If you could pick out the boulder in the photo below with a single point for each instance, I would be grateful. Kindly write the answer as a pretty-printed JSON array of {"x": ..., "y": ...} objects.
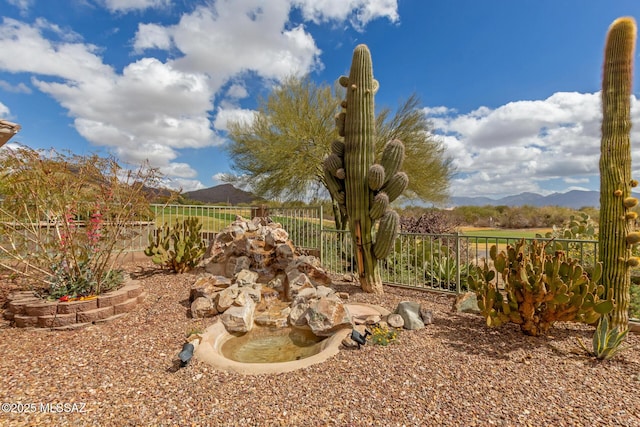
[
  {"x": 410, "y": 312},
  {"x": 246, "y": 277},
  {"x": 239, "y": 318},
  {"x": 466, "y": 303},
  {"x": 203, "y": 307},
  {"x": 395, "y": 320},
  {"x": 227, "y": 297},
  {"x": 426, "y": 315},
  {"x": 325, "y": 316}
]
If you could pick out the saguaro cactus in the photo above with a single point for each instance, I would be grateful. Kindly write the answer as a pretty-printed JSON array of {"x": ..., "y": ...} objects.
[
  {"x": 363, "y": 188},
  {"x": 616, "y": 201}
]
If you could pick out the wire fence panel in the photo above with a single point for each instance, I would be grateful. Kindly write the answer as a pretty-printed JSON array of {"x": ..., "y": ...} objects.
[
  {"x": 303, "y": 224},
  {"x": 440, "y": 262}
]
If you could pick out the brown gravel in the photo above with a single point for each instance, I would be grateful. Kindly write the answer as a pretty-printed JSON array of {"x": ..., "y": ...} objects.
[{"x": 455, "y": 372}]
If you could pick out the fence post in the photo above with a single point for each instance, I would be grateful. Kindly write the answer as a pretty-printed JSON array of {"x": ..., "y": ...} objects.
[
  {"x": 321, "y": 237},
  {"x": 457, "y": 234}
]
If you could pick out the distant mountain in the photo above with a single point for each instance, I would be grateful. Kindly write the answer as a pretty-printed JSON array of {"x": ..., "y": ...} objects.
[
  {"x": 225, "y": 193},
  {"x": 574, "y": 199}
]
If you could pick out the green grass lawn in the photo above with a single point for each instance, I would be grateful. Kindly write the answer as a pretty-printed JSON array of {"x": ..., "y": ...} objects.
[{"x": 502, "y": 233}]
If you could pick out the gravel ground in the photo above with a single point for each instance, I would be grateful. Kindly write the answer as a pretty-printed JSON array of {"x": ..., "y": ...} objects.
[{"x": 455, "y": 372}]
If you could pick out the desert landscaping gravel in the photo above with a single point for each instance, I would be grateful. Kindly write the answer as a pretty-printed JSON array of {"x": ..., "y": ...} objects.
[{"x": 455, "y": 372}]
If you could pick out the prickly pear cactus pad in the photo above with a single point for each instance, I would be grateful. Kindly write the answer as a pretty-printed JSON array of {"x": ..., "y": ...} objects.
[
  {"x": 363, "y": 188},
  {"x": 616, "y": 200}
]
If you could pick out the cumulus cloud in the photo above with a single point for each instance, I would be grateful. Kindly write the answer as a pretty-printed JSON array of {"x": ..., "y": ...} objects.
[
  {"x": 23, "y": 5},
  {"x": 226, "y": 115},
  {"x": 4, "y": 110},
  {"x": 133, "y": 5},
  {"x": 151, "y": 109},
  {"x": 358, "y": 12},
  {"x": 517, "y": 146},
  {"x": 14, "y": 88}
]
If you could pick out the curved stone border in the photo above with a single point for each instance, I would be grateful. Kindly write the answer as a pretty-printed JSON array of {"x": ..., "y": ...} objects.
[
  {"x": 25, "y": 310},
  {"x": 209, "y": 349}
]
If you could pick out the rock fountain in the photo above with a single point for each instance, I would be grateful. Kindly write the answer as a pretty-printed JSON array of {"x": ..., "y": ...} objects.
[{"x": 275, "y": 309}]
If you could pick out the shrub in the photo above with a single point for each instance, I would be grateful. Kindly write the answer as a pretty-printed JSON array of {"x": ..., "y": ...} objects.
[
  {"x": 539, "y": 289},
  {"x": 178, "y": 248},
  {"x": 606, "y": 342},
  {"x": 64, "y": 218}
]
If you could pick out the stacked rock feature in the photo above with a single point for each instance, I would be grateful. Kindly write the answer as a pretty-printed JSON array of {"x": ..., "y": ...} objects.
[{"x": 255, "y": 277}]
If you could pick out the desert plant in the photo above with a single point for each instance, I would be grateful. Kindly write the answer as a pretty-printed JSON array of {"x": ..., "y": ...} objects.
[
  {"x": 178, "y": 248},
  {"x": 65, "y": 217},
  {"x": 606, "y": 342},
  {"x": 441, "y": 269},
  {"x": 362, "y": 188},
  {"x": 616, "y": 201},
  {"x": 383, "y": 335},
  {"x": 539, "y": 289}
]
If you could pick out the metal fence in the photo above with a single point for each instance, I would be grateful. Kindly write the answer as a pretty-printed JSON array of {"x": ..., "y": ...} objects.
[
  {"x": 303, "y": 224},
  {"x": 437, "y": 262}
]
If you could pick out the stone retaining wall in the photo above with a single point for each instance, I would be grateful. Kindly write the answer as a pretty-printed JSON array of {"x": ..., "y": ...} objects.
[{"x": 25, "y": 310}]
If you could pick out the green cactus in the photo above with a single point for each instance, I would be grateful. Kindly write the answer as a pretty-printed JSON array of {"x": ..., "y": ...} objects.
[
  {"x": 539, "y": 289},
  {"x": 359, "y": 187},
  {"x": 178, "y": 248},
  {"x": 615, "y": 168}
]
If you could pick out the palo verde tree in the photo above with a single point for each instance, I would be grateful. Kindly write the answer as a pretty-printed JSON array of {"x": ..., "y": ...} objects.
[
  {"x": 281, "y": 151},
  {"x": 616, "y": 201}
]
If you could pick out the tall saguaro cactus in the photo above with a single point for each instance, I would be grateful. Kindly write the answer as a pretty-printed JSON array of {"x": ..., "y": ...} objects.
[
  {"x": 363, "y": 188},
  {"x": 616, "y": 238}
]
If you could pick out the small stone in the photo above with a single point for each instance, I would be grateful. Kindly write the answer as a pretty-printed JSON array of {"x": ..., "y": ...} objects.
[{"x": 395, "y": 320}]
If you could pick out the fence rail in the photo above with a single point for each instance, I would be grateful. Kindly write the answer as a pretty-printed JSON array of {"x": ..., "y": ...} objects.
[{"x": 439, "y": 262}]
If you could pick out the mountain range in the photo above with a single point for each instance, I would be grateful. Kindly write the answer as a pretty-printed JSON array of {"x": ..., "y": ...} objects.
[
  {"x": 574, "y": 199},
  {"x": 225, "y": 193}
]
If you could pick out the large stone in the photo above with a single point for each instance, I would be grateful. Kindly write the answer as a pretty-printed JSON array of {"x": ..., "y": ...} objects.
[
  {"x": 203, "y": 307},
  {"x": 246, "y": 277},
  {"x": 227, "y": 297},
  {"x": 75, "y": 306},
  {"x": 276, "y": 317},
  {"x": 466, "y": 303},
  {"x": 297, "y": 282},
  {"x": 239, "y": 318},
  {"x": 325, "y": 316},
  {"x": 426, "y": 315},
  {"x": 236, "y": 264},
  {"x": 274, "y": 237},
  {"x": 56, "y": 320},
  {"x": 229, "y": 234},
  {"x": 94, "y": 315},
  {"x": 297, "y": 314},
  {"x": 410, "y": 312},
  {"x": 395, "y": 320}
]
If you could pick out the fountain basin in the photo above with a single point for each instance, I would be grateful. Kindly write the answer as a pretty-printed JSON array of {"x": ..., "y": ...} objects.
[
  {"x": 217, "y": 343},
  {"x": 268, "y": 350}
]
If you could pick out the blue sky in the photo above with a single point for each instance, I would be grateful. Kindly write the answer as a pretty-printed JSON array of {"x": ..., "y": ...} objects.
[{"x": 511, "y": 86}]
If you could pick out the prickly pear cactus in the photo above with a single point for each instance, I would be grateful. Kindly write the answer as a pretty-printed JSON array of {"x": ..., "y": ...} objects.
[
  {"x": 178, "y": 248},
  {"x": 616, "y": 238},
  {"x": 363, "y": 188},
  {"x": 539, "y": 289}
]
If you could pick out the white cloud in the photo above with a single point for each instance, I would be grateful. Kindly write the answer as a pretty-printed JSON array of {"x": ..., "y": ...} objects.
[
  {"x": 151, "y": 36},
  {"x": 23, "y": 5},
  {"x": 225, "y": 115},
  {"x": 358, "y": 12},
  {"x": 132, "y": 5},
  {"x": 522, "y": 144},
  {"x": 151, "y": 108},
  {"x": 4, "y": 110},
  {"x": 19, "y": 88}
]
